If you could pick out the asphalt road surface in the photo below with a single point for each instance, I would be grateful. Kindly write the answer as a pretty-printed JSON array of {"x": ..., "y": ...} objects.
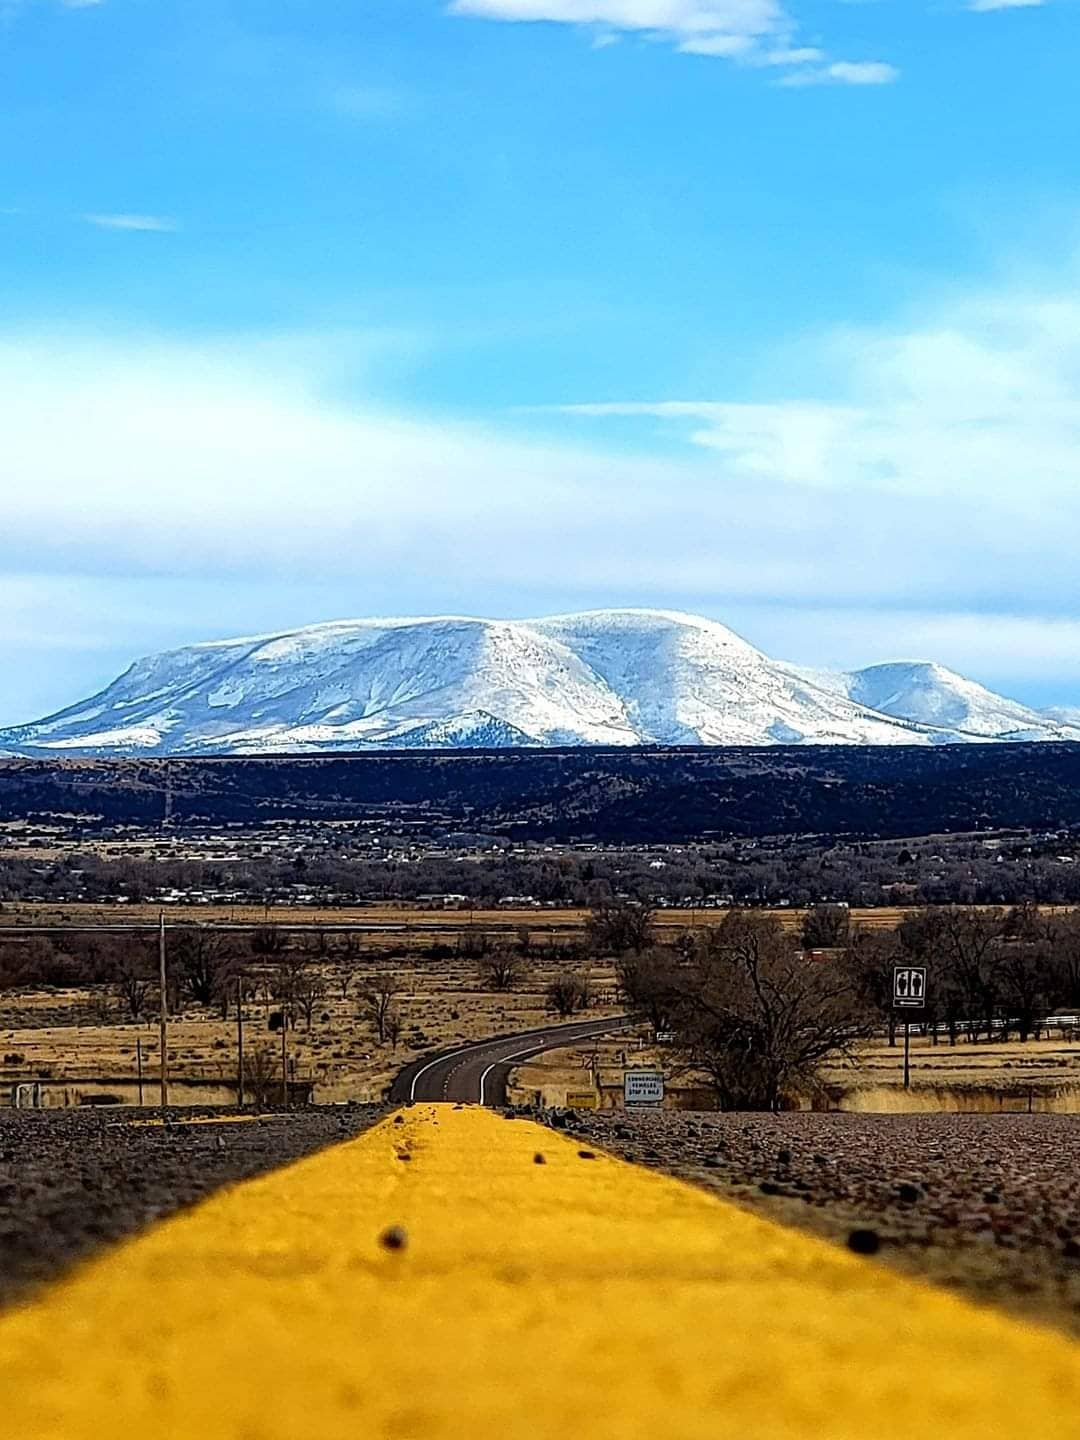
[{"x": 477, "y": 1074}]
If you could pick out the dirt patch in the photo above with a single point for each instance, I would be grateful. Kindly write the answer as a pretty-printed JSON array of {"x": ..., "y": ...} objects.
[
  {"x": 986, "y": 1205},
  {"x": 72, "y": 1182}
]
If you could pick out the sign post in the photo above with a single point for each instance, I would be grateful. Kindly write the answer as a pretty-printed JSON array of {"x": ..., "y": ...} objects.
[{"x": 909, "y": 993}]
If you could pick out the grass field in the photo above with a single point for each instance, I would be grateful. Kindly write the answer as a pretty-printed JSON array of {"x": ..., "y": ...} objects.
[
  {"x": 401, "y": 920},
  {"x": 55, "y": 1035},
  {"x": 982, "y": 1078}
]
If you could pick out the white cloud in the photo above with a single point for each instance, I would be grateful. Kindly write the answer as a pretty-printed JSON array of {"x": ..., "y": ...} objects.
[
  {"x": 1004, "y": 4},
  {"x": 126, "y": 221},
  {"x": 845, "y": 72},
  {"x": 981, "y": 405},
  {"x": 930, "y": 472},
  {"x": 755, "y": 32}
]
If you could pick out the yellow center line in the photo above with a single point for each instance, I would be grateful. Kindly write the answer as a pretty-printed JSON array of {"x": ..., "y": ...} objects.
[{"x": 577, "y": 1297}]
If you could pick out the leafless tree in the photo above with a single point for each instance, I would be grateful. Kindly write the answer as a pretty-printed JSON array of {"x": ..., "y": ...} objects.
[
  {"x": 650, "y": 984},
  {"x": 825, "y": 927},
  {"x": 133, "y": 981},
  {"x": 393, "y": 1026},
  {"x": 619, "y": 928},
  {"x": 262, "y": 1075},
  {"x": 197, "y": 956},
  {"x": 502, "y": 970},
  {"x": 267, "y": 940},
  {"x": 568, "y": 994},
  {"x": 377, "y": 1002},
  {"x": 308, "y": 990},
  {"x": 758, "y": 1016}
]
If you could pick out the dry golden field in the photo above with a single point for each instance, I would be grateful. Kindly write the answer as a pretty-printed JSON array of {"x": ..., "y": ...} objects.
[
  {"x": 981, "y": 1078},
  {"x": 57, "y": 1036},
  {"x": 401, "y": 920}
]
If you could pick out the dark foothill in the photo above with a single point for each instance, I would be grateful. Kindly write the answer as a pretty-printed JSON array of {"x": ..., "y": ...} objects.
[
  {"x": 395, "y": 1238},
  {"x": 864, "y": 1242}
]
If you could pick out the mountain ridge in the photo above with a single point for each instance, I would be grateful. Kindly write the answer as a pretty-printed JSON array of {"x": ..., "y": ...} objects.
[{"x": 617, "y": 677}]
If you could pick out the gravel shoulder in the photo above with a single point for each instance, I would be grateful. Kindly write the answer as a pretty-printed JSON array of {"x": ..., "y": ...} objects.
[
  {"x": 72, "y": 1182},
  {"x": 987, "y": 1205}
]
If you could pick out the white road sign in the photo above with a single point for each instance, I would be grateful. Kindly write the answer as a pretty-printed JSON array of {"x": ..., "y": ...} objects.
[
  {"x": 909, "y": 987},
  {"x": 643, "y": 1087}
]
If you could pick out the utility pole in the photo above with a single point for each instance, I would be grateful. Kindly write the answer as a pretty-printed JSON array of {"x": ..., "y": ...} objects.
[
  {"x": 907, "y": 1054},
  {"x": 164, "y": 982},
  {"x": 240, "y": 1041}
]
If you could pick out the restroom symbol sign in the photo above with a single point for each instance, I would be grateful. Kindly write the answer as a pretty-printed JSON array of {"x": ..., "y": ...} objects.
[{"x": 909, "y": 987}]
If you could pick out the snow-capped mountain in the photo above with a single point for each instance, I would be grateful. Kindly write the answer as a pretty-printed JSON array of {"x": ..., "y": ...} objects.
[
  {"x": 608, "y": 677},
  {"x": 930, "y": 695}
]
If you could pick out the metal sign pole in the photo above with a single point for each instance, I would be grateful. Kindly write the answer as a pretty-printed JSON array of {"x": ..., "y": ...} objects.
[{"x": 909, "y": 993}]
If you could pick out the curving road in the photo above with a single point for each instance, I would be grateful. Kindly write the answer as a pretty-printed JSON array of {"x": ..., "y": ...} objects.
[{"x": 476, "y": 1074}]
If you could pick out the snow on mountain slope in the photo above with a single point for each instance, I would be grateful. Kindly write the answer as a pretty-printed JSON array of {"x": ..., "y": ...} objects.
[
  {"x": 346, "y": 685},
  {"x": 689, "y": 681},
  {"x": 931, "y": 695},
  {"x": 608, "y": 677},
  {"x": 1067, "y": 715}
]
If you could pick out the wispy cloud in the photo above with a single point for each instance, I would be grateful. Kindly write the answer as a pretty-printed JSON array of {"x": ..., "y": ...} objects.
[
  {"x": 1004, "y": 4},
  {"x": 844, "y": 72},
  {"x": 749, "y": 32},
  {"x": 933, "y": 468},
  {"x": 131, "y": 221}
]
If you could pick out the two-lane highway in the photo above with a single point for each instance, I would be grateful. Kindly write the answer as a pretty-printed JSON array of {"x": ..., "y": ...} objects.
[{"x": 476, "y": 1074}]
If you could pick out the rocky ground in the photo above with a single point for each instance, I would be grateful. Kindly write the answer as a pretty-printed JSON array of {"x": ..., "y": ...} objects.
[
  {"x": 72, "y": 1180},
  {"x": 986, "y": 1204}
]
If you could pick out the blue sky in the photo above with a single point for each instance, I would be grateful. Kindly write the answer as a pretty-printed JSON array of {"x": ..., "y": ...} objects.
[{"x": 318, "y": 308}]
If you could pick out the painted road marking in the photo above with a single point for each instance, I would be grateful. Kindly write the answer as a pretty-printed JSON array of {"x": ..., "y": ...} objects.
[
  {"x": 431, "y": 1065},
  {"x": 531, "y": 1301}
]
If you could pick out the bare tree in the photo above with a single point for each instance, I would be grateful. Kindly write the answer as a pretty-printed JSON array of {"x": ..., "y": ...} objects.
[
  {"x": 267, "y": 940},
  {"x": 377, "y": 1002},
  {"x": 393, "y": 1026},
  {"x": 474, "y": 944},
  {"x": 825, "y": 927},
  {"x": 651, "y": 985},
  {"x": 197, "y": 957},
  {"x": 346, "y": 971},
  {"x": 502, "y": 970},
  {"x": 133, "y": 981},
  {"x": 619, "y": 928},
  {"x": 568, "y": 994},
  {"x": 758, "y": 1016},
  {"x": 262, "y": 1075},
  {"x": 308, "y": 990}
]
